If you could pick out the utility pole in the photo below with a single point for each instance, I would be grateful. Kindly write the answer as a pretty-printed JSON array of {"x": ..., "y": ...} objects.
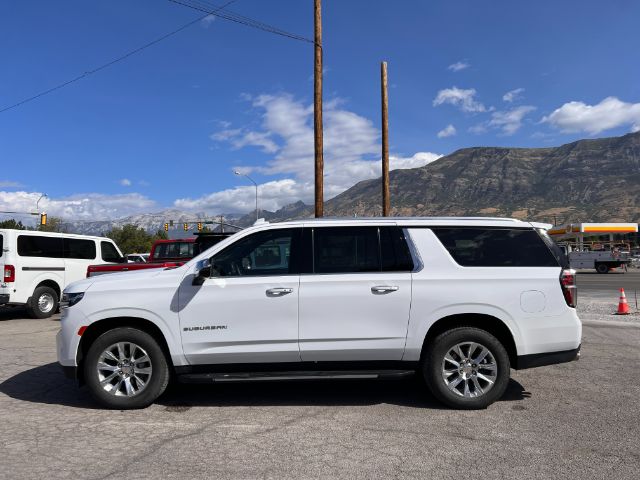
[
  {"x": 317, "y": 108},
  {"x": 386, "y": 205}
]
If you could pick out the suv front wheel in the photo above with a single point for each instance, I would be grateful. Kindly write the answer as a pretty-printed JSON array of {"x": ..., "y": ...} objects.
[
  {"x": 466, "y": 368},
  {"x": 126, "y": 368}
]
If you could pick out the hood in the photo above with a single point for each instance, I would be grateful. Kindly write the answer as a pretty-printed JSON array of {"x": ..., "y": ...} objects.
[{"x": 118, "y": 280}]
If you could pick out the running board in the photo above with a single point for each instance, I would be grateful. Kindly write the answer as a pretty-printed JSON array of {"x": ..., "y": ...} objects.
[{"x": 283, "y": 376}]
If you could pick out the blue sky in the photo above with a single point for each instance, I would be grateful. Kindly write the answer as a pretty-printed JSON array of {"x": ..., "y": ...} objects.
[{"x": 167, "y": 126}]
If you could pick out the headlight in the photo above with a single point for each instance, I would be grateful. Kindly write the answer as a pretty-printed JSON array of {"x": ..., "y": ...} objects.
[{"x": 70, "y": 299}]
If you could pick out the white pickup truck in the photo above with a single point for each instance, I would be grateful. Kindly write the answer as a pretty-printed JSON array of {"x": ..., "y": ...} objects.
[{"x": 602, "y": 261}]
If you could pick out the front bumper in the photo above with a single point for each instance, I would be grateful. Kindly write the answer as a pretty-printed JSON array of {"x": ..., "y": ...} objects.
[{"x": 551, "y": 358}]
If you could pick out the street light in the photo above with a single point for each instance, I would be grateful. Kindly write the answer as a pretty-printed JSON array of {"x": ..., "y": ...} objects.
[
  {"x": 38, "y": 202},
  {"x": 256, "y": 185}
]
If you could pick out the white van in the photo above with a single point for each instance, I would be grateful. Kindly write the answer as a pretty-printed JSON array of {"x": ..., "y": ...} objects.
[{"x": 37, "y": 266}]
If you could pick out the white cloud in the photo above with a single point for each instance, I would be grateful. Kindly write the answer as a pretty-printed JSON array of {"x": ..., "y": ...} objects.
[
  {"x": 447, "y": 131},
  {"x": 208, "y": 20},
  {"x": 351, "y": 154},
  {"x": 9, "y": 184},
  {"x": 90, "y": 206},
  {"x": 456, "y": 67},
  {"x": 125, "y": 182},
  {"x": 419, "y": 159},
  {"x": 593, "y": 119},
  {"x": 461, "y": 98},
  {"x": 510, "y": 121},
  {"x": 513, "y": 95}
]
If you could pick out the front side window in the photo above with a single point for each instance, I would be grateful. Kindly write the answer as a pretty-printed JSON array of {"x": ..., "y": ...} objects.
[
  {"x": 109, "y": 252},
  {"x": 40, "y": 246},
  {"x": 496, "y": 247},
  {"x": 261, "y": 254},
  {"x": 77, "y": 248},
  {"x": 346, "y": 250}
]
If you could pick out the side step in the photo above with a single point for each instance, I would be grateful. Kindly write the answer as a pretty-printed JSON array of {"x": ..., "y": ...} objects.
[{"x": 293, "y": 375}]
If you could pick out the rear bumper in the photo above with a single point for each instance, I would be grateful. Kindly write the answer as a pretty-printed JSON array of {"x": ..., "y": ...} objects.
[
  {"x": 550, "y": 358},
  {"x": 4, "y": 298}
]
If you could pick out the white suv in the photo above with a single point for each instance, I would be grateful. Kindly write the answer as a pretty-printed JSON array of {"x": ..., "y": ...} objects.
[{"x": 461, "y": 301}]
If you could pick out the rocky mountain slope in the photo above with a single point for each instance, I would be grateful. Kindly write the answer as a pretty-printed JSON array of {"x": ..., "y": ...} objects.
[{"x": 587, "y": 180}]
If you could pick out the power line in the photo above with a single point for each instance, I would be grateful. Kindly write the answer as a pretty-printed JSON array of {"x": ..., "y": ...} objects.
[
  {"x": 119, "y": 59},
  {"x": 202, "y": 6}
]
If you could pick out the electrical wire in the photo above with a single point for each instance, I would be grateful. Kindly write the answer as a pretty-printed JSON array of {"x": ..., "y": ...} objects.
[
  {"x": 119, "y": 59},
  {"x": 237, "y": 18}
]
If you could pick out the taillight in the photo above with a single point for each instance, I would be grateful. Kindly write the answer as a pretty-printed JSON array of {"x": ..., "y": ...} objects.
[
  {"x": 9, "y": 274},
  {"x": 569, "y": 287}
]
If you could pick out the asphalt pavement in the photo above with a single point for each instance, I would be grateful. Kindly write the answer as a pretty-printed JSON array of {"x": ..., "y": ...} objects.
[
  {"x": 576, "y": 420},
  {"x": 606, "y": 286}
]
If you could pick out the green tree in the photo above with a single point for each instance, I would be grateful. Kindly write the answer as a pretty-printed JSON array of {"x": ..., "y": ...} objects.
[
  {"x": 12, "y": 223},
  {"x": 131, "y": 238},
  {"x": 54, "y": 224}
]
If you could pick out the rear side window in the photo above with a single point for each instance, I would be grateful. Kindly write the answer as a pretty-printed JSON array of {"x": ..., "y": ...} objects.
[
  {"x": 394, "y": 251},
  {"x": 1, "y": 245},
  {"x": 40, "y": 246},
  {"x": 76, "y": 248},
  {"x": 496, "y": 247},
  {"x": 109, "y": 252},
  {"x": 173, "y": 250},
  {"x": 346, "y": 250}
]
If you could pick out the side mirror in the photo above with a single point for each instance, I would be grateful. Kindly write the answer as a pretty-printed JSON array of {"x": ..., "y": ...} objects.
[{"x": 203, "y": 271}]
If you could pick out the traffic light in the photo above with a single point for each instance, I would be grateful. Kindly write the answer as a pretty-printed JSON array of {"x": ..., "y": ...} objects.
[
  {"x": 166, "y": 227},
  {"x": 199, "y": 226},
  {"x": 186, "y": 227},
  {"x": 43, "y": 219},
  {"x": 171, "y": 223}
]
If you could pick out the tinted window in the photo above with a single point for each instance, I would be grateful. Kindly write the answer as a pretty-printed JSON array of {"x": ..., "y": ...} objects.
[
  {"x": 558, "y": 252},
  {"x": 263, "y": 253},
  {"x": 76, "y": 248},
  {"x": 1, "y": 245},
  {"x": 394, "y": 250},
  {"x": 37, "y": 246},
  {"x": 346, "y": 250},
  {"x": 482, "y": 247},
  {"x": 109, "y": 252},
  {"x": 173, "y": 250}
]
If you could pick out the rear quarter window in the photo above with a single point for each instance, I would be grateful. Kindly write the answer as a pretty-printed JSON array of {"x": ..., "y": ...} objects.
[
  {"x": 1, "y": 245},
  {"x": 496, "y": 247}
]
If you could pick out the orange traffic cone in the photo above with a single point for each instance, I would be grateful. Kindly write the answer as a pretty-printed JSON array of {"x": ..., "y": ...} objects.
[{"x": 623, "y": 306}]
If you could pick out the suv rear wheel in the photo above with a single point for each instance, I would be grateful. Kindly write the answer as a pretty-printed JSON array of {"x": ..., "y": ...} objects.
[
  {"x": 466, "y": 368},
  {"x": 126, "y": 368}
]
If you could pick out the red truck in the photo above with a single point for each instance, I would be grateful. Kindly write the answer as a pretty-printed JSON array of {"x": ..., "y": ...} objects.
[{"x": 164, "y": 254}]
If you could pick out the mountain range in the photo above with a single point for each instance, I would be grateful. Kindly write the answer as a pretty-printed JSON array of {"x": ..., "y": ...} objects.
[{"x": 587, "y": 180}]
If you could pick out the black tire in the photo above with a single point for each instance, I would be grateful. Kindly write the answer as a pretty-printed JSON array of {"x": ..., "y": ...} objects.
[
  {"x": 35, "y": 307},
  {"x": 155, "y": 385},
  {"x": 433, "y": 365},
  {"x": 602, "y": 268}
]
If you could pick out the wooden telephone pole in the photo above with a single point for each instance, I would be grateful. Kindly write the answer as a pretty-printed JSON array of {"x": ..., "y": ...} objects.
[
  {"x": 317, "y": 109},
  {"x": 386, "y": 205}
]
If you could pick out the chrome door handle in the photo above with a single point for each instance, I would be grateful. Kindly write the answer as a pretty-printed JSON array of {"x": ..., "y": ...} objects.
[
  {"x": 278, "y": 292},
  {"x": 381, "y": 289}
]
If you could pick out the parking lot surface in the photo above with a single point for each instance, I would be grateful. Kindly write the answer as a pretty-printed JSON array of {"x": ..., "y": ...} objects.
[{"x": 577, "y": 420}]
